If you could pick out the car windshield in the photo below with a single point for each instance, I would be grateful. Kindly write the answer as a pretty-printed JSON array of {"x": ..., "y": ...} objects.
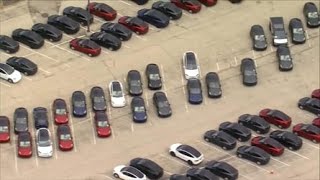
[
  {"x": 79, "y": 103},
  {"x": 154, "y": 76},
  {"x": 214, "y": 85},
  {"x": 135, "y": 83},
  {"x": 259, "y": 37},
  {"x": 285, "y": 58},
  {"x": 163, "y": 104},
  {"x": 195, "y": 90},
  {"x": 65, "y": 136},
  {"x": 44, "y": 143},
  {"x": 24, "y": 143},
  {"x": 313, "y": 15},
  {"x": 139, "y": 109},
  {"x": 21, "y": 120},
  {"x": 298, "y": 31},
  {"x": 103, "y": 123},
  {"x": 61, "y": 111},
  {"x": 4, "y": 129},
  {"x": 117, "y": 93},
  {"x": 98, "y": 99},
  {"x": 249, "y": 73}
]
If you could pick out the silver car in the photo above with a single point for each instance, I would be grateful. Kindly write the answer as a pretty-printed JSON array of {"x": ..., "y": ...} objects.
[{"x": 44, "y": 143}]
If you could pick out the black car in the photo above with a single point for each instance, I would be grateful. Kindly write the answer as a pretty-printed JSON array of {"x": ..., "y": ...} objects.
[
  {"x": 255, "y": 123},
  {"x": 249, "y": 72},
  {"x": 47, "y": 31},
  {"x": 168, "y": 9},
  {"x": 213, "y": 85},
  {"x": 118, "y": 30},
  {"x": 8, "y": 44},
  {"x": 201, "y": 174},
  {"x": 220, "y": 138},
  {"x": 64, "y": 23},
  {"x": 106, "y": 40},
  {"x": 236, "y": 130},
  {"x": 310, "y": 104},
  {"x": 140, "y": 2},
  {"x": 28, "y": 37},
  {"x": 153, "y": 77},
  {"x": 178, "y": 177},
  {"x": 194, "y": 91},
  {"x": 254, "y": 154},
  {"x": 98, "y": 99},
  {"x": 20, "y": 118},
  {"x": 284, "y": 58},
  {"x": 23, "y": 65},
  {"x": 134, "y": 83},
  {"x": 222, "y": 169},
  {"x": 154, "y": 17},
  {"x": 151, "y": 169},
  {"x": 138, "y": 108},
  {"x": 78, "y": 14},
  {"x": 297, "y": 31},
  {"x": 162, "y": 104},
  {"x": 79, "y": 104},
  {"x": 258, "y": 37},
  {"x": 287, "y": 139},
  {"x": 40, "y": 116},
  {"x": 311, "y": 14}
]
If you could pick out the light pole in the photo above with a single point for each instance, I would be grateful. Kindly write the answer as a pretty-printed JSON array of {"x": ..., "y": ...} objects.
[{"x": 88, "y": 22}]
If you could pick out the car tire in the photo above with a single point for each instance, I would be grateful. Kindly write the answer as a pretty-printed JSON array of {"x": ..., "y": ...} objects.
[
  {"x": 137, "y": 32},
  {"x": 51, "y": 39},
  {"x": 206, "y": 139},
  {"x": 172, "y": 154},
  {"x": 239, "y": 139},
  {"x": 259, "y": 132},
  {"x": 10, "y": 80},
  {"x": 190, "y": 163},
  {"x": 224, "y": 148},
  {"x": 72, "y": 47},
  {"x": 239, "y": 155},
  {"x": 190, "y": 11},
  {"x": 314, "y": 141},
  {"x": 258, "y": 162},
  {"x": 115, "y": 175},
  {"x": 279, "y": 126},
  {"x": 301, "y": 107},
  {"x": 7, "y": 51},
  {"x": 110, "y": 48},
  {"x": 90, "y": 55},
  {"x": 26, "y": 73},
  {"x": 291, "y": 148}
]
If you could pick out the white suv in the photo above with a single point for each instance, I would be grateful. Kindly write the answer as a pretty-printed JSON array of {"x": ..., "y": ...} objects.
[
  {"x": 44, "y": 143},
  {"x": 9, "y": 73},
  {"x": 190, "y": 65}
]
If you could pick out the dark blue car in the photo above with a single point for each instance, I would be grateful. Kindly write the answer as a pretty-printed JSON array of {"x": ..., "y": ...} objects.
[
  {"x": 194, "y": 91},
  {"x": 79, "y": 104},
  {"x": 154, "y": 17},
  {"x": 139, "y": 113}
]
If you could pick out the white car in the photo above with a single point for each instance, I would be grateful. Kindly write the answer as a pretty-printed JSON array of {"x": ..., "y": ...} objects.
[
  {"x": 9, "y": 74},
  {"x": 116, "y": 94},
  {"x": 190, "y": 65},
  {"x": 186, "y": 153},
  {"x": 128, "y": 173},
  {"x": 44, "y": 143}
]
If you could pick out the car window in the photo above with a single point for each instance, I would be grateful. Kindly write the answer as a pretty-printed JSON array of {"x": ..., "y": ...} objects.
[
  {"x": 103, "y": 123},
  {"x": 61, "y": 111},
  {"x": 313, "y": 15},
  {"x": 79, "y": 103},
  {"x": 139, "y": 109},
  {"x": 163, "y": 104},
  {"x": 4, "y": 129},
  {"x": 129, "y": 174},
  {"x": 285, "y": 58},
  {"x": 24, "y": 143},
  {"x": 298, "y": 31},
  {"x": 259, "y": 37},
  {"x": 154, "y": 76},
  {"x": 65, "y": 136},
  {"x": 249, "y": 72},
  {"x": 185, "y": 153},
  {"x": 1, "y": 71}
]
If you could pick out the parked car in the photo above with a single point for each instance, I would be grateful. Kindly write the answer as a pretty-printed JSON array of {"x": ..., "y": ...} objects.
[
  {"x": 44, "y": 142},
  {"x": 98, "y": 99},
  {"x": 287, "y": 139},
  {"x": 186, "y": 153},
  {"x": 220, "y": 138},
  {"x": 276, "y": 117},
  {"x": 190, "y": 65},
  {"x": 258, "y": 37},
  {"x": 60, "y": 111},
  {"x": 4, "y": 129},
  {"x": 168, "y": 8},
  {"x": 271, "y": 146},
  {"x": 106, "y": 40},
  {"x": 310, "y": 12},
  {"x": 138, "y": 108},
  {"x": 28, "y": 37},
  {"x": 22, "y": 65},
  {"x": 9, "y": 74},
  {"x": 151, "y": 169},
  {"x": 135, "y": 24},
  {"x": 222, "y": 169},
  {"x": 118, "y": 30},
  {"x": 85, "y": 46},
  {"x": 153, "y": 77},
  {"x": 79, "y": 104},
  {"x": 255, "y": 123},
  {"x": 162, "y": 104},
  {"x": 316, "y": 122},
  {"x": 78, "y": 14},
  {"x": 40, "y": 116},
  {"x": 134, "y": 83},
  {"x": 213, "y": 85},
  {"x": 235, "y": 1},
  {"x": 116, "y": 94},
  {"x": 236, "y": 130},
  {"x": 310, "y": 104},
  {"x": 316, "y": 93},
  {"x": 201, "y": 174},
  {"x": 154, "y": 17},
  {"x": 194, "y": 91},
  {"x": 64, "y": 23},
  {"x": 128, "y": 172},
  {"x": 8, "y": 44},
  {"x": 297, "y": 31},
  {"x": 21, "y": 120},
  {"x": 192, "y": 6},
  {"x": 64, "y": 137},
  {"x": 249, "y": 72},
  {"x": 284, "y": 58},
  {"x": 307, "y": 131},
  {"x": 178, "y": 177},
  {"x": 140, "y": 2},
  {"x": 102, "y": 124},
  {"x": 254, "y": 154},
  {"x": 24, "y": 144},
  {"x": 47, "y": 31},
  {"x": 208, "y": 3},
  {"x": 279, "y": 35},
  {"x": 102, "y": 10}
]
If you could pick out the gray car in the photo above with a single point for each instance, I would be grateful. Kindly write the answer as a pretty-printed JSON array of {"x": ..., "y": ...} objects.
[
  {"x": 20, "y": 118},
  {"x": 259, "y": 41},
  {"x": 284, "y": 58},
  {"x": 134, "y": 83},
  {"x": 98, "y": 99},
  {"x": 249, "y": 73}
]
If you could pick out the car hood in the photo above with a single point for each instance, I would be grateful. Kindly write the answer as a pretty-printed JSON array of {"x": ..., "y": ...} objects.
[
  {"x": 165, "y": 111},
  {"x": 45, "y": 149},
  {"x": 118, "y": 100},
  {"x": 195, "y": 97},
  {"x": 250, "y": 79},
  {"x": 286, "y": 64},
  {"x": 61, "y": 118},
  {"x": 104, "y": 130},
  {"x": 215, "y": 91},
  {"x": 4, "y": 136},
  {"x": 135, "y": 89},
  {"x": 25, "y": 150},
  {"x": 66, "y": 144},
  {"x": 140, "y": 115},
  {"x": 15, "y": 76}
]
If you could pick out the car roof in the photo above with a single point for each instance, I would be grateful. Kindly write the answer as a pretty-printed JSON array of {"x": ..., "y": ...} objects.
[
  {"x": 60, "y": 103},
  {"x": 137, "y": 101},
  {"x": 189, "y": 149},
  {"x": 24, "y": 136},
  {"x": 78, "y": 95},
  {"x": 116, "y": 86},
  {"x": 6, "y": 67},
  {"x": 134, "y": 74},
  {"x": 194, "y": 83},
  {"x": 101, "y": 116},
  {"x": 4, "y": 121},
  {"x": 133, "y": 171},
  {"x": 153, "y": 68},
  {"x": 64, "y": 129},
  {"x": 152, "y": 165},
  {"x": 160, "y": 96}
]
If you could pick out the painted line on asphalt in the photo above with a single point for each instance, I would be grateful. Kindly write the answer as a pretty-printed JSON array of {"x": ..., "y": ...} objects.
[
  {"x": 298, "y": 154},
  {"x": 78, "y": 55},
  {"x": 142, "y": 38},
  {"x": 280, "y": 161},
  {"x": 41, "y": 69},
  {"x": 73, "y": 132},
  {"x": 39, "y": 53},
  {"x": 163, "y": 78},
  {"x": 125, "y": 3},
  {"x": 93, "y": 129},
  {"x": 6, "y": 54},
  {"x": 15, "y": 154},
  {"x": 5, "y": 84},
  {"x": 317, "y": 147},
  {"x": 27, "y": 78},
  {"x": 126, "y": 46},
  {"x": 55, "y": 141},
  {"x": 218, "y": 68},
  {"x": 132, "y": 128},
  {"x": 186, "y": 14}
]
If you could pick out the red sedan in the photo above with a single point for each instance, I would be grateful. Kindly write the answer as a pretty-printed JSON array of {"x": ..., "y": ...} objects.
[
  {"x": 60, "y": 111},
  {"x": 307, "y": 131},
  {"x": 208, "y": 2},
  {"x": 85, "y": 46},
  {"x": 24, "y": 144},
  {"x": 4, "y": 129},
  {"x": 193, "y": 6},
  {"x": 134, "y": 24},
  {"x": 102, "y": 10},
  {"x": 316, "y": 122},
  {"x": 270, "y": 145},
  {"x": 65, "y": 139},
  {"x": 276, "y": 117},
  {"x": 316, "y": 94},
  {"x": 102, "y": 124}
]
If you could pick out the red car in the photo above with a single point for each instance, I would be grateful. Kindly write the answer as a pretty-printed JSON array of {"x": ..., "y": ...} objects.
[
  {"x": 270, "y": 145},
  {"x": 316, "y": 122},
  {"x": 316, "y": 94},
  {"x": 102, "y": 10},
  {"x": 193, "y": 6},
  {"x": 65, "y": 139},
  {"x": 307, "y": 131},
  {"x": 85, "y": 46},
  {"x": 208, "y": 2},
  {"x": 4, "y": 129},
  {"x": 24, "y": 144},
  {"x": 102, "y": 124},
  {"x": 276, "y": 117},
  {"x": 134, "y": 24},
  {"x": 60, "y": 111}
]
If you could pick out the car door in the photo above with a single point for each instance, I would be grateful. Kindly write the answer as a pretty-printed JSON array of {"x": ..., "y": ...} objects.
[
  {"x": 129, "y": 175},
  {"x": 3, "y": 74},
  {"x": 184, "y": 155}
]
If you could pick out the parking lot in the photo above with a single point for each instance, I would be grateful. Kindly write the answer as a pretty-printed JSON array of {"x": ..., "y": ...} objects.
[{"x": 220, "y": 37}]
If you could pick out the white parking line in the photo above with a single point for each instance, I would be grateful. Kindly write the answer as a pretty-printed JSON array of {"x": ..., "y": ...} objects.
[
  {"x": 218, "y": 68},
  {"x": 112, "y": 133},
  {"x": 170, "y": 173},
  {"x": 73, "y": 53},
  {"x": 271, "y": 48},
  {"x": 132, "y": 128},
  {"x": 106, "y": 52},
  {"x": 67, "y": 35},
  {"x": 6, "y": 54},
  {"x": 125, "y": 3},
  {"x": 146, "y": 99},
  {"x": 64, "y": 42},
  {"x": 280, "y": 161},
  {"x": 40, "y": 53},
  {"x": 126, "y": 46},
  {"x": 186, "y": 14},
  {"x": 93, "y": 129},
  {"x": 108, "y": 177},
  {"x": 307, "y": 35},
  {"x": 44, "y": 71},
  {"x": 255, "y": 63},
  {"x": 109, "y": 112},
  {"x": 139, "y": 37},
  {"x": 317, "y": 147},
  {"x": 152, "y": 28},
  {"x": 246, "y": 177},
  {"x": 175, "y": 160},
  {"x": 5, "y": 84},
  {"x": 27, "y": 78},
  {"x": 29, "y": 54},
  {"x": 253, "y": 54},
  {"x": 72, "y": 130},
  {"x": 49, "y": 42},
  {"x": 235, "y": 61},
  {"x": 163, "y": 78},
  {"x": 230, "y": 157},
  {"x": 55, "y": 143},
  {"x": 298, "y": 154},
  {"x": 15, "y": 154},
  {"x": 100, "y": 20}
]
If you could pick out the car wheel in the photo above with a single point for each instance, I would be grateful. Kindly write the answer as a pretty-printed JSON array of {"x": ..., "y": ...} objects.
[
  {"x": 190, "y": 163},
  {"x": 26, "y": 73},
  {"x": 82, "y": 23},
  {"x": 121, "y": 38},
  {"x": 241, "y": 123},
  {"x": 223, "y": 147},
  {"x": 7, "y": 51},
  {"x": 301, "y": 107},
  {"x": 90, "y": 55},
  {"x": 110, "y": 48},
  {"x": 51, "y": 40},
  {"x": 239, "y": 139},
  {"x": 258, "y": 162},
  {"x": 10, "y": 80},
  {"x": 172, "y": 154},
  {"x": 296, "y": 133},
  {"x": 291, "y": 148},
  {"x": 137, "y": 32},
  {"x": 226, "y": 178},
  {"x": 206, "y": 139},
  {"x": 190, "y": 11},
  {"x": 280, "y": 127},
  {"x": 314, "y": 141},
  {"x": 258, "y": 132},
  {"x": 116, "y": 175},
  {"x": 239, "y": 155},
  {"x": 72, "y": 47}
]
